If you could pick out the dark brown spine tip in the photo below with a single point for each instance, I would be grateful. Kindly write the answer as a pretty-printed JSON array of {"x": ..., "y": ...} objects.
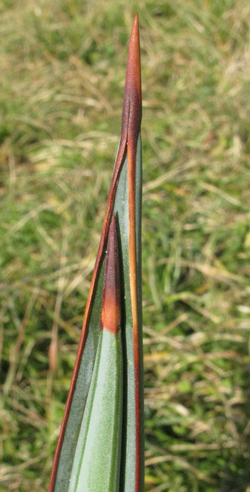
[
  {"x": 133, "y": 75},
  {"x": 111, "y": 304},
  {"x": 132, "y": 107}
]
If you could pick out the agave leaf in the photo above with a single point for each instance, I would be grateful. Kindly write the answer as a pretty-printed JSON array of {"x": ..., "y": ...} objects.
[
  {"x": 125, "y": 203},
  {"x": 96, "y": 464}
]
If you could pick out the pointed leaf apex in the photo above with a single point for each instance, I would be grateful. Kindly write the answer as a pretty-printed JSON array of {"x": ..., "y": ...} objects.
[
  {"x": 111, "y": 309},
  {"x": 133, "y": 76},
  {"x": 132, "y": 106}
]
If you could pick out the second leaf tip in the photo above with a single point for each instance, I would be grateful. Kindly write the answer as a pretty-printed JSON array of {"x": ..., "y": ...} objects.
[{"x": 111, "y": 309}]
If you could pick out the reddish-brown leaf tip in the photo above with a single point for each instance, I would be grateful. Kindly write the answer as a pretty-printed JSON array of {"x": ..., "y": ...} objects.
[
  {"x": 111, "y": 304},
  {"x": 133, "y": 74},
  {"x": 132, "y": 112}
]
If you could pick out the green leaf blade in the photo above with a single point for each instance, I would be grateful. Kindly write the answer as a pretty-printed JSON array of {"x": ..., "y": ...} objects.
[
  {"x": 132, "y": 434},
  {"x": 124, "y": 203},
  {"x": 97, "y": 457}
]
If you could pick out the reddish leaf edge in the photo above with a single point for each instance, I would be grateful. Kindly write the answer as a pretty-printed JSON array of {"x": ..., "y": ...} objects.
[{"x": 130, "y": 130}]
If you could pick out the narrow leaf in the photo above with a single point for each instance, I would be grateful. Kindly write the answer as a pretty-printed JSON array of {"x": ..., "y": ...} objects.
[
  {"x": 96, "y": 465},
  {"x": 122, "y": 324}
]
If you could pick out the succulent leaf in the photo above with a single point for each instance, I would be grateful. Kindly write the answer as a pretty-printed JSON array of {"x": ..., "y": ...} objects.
[{"x": 101, "y": 443}]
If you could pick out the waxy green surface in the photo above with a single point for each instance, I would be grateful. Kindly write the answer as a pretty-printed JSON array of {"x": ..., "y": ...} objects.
[
  {"x": 83, "y": 430},
  {"x": 96, "y": 463}
]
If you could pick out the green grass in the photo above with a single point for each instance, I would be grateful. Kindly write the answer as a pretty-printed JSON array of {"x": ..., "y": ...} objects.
[{"x": 61, "y": 88}]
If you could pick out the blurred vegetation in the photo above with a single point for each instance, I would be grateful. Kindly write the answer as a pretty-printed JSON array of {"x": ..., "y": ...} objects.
[{"x": 61, "y": 89}]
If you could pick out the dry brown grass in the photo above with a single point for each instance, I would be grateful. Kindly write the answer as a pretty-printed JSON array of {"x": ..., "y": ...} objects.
[{"x": 61, "y": 80}]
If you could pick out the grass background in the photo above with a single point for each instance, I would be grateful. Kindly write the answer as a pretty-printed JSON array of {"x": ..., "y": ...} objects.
[{"x": 61, "y": 89}]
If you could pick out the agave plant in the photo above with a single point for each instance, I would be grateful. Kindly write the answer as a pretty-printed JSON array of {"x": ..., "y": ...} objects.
[{"x": 101, "y": 442}]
